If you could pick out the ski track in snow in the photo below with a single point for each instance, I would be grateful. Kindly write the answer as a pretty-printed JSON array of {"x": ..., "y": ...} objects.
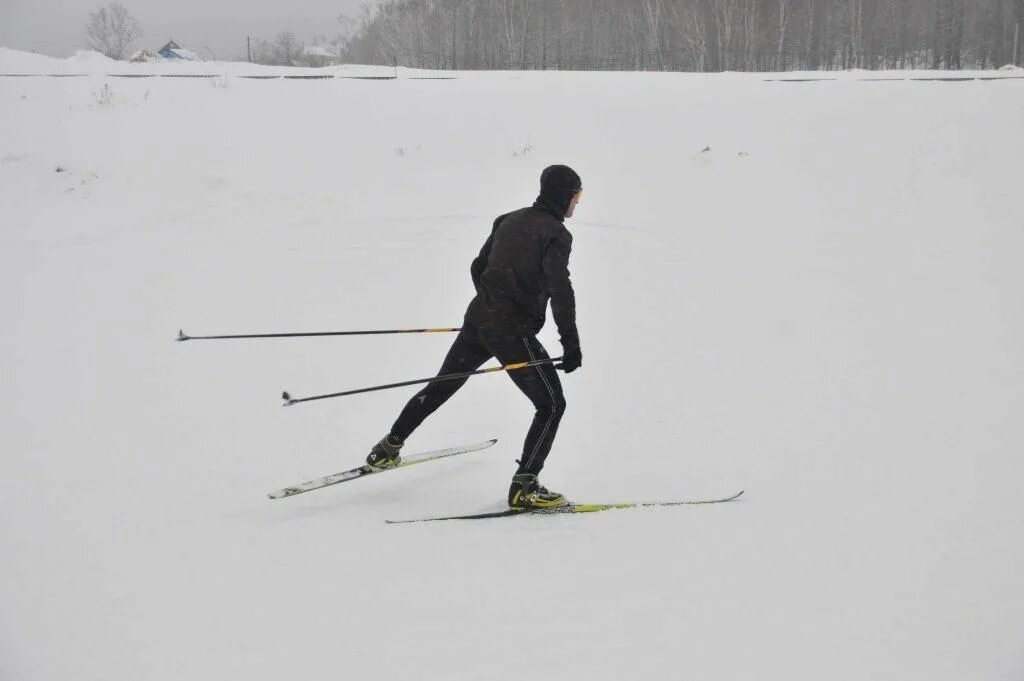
[{"x": 832, "y": 322}]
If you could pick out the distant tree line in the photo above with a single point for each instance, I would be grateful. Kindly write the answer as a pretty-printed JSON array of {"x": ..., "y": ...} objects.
[
  {"x": 284, "y": 50},
  {"x": 690, "y": 35},
  {"x": 287, "y": 50}
]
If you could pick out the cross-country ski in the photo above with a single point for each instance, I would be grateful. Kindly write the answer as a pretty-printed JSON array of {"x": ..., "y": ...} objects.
[
  {"x": 569, "y": 509},
  {"x": 365, "y": 470}
]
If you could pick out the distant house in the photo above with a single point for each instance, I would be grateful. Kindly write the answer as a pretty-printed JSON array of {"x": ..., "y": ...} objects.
[
  {"x": 321, "y": 55},
  {"x": 173, "y": 50}
]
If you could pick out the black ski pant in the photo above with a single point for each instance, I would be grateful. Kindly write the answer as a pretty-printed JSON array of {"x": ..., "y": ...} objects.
[{"x": 539, "y": 383}]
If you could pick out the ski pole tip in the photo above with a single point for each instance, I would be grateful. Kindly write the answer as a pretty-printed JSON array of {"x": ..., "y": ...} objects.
[
  {"x": 288, "y": 401},
  {"x": 181, "y": 336}
]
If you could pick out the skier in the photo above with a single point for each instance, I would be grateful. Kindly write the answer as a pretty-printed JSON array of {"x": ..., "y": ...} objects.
[{"x": 522, "y": 265}]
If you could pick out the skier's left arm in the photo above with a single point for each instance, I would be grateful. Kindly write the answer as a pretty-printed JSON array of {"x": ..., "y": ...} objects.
[{"x": 563, "y": 298}]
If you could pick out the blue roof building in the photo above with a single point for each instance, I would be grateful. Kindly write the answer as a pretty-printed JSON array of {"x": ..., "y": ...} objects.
[{"x": 173, "y": 50}]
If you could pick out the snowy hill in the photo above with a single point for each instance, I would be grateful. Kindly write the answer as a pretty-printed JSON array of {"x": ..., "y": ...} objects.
[
  {"x": 89, "y": 63},
  {"x": 823, "y": 308}
]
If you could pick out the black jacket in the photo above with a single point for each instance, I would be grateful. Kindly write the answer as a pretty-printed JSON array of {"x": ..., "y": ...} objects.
[{"x": 523, "y": 265}]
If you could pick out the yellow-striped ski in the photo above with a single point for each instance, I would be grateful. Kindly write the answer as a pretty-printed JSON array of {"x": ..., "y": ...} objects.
[{"x": 571, "y": 508}]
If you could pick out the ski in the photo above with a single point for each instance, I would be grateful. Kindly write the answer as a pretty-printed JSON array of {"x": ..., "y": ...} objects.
[
  {"x": 571, "y": 508},
  {"x": 364, "y": 470}
]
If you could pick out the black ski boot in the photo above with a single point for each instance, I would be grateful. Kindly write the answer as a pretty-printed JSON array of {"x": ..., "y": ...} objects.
[
  {"x": 527, "y": 492},
  {"x": 384, "y": 454}
]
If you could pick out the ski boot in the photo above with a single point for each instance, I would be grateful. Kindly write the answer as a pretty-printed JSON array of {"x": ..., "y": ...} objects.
[
  {"x": 527, "y": 492},
  {"x": 384, "y": 454}
]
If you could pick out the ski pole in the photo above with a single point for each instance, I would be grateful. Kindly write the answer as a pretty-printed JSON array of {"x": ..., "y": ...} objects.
[
  {"x": 182, "y": 336},
  {"x": 289, "y": 400}
]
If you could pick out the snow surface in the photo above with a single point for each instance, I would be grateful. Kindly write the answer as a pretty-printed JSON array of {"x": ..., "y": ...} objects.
[{"x": 824, "y": 309}]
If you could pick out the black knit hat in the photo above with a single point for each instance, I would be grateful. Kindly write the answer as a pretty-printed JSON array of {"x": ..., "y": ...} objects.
[{"x": 558, "y": 184}]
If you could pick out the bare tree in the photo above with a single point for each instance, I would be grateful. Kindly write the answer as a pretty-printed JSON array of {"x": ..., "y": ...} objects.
[
  {"x": 263, "y": 51},
  {"x": 652, "y": 13},
  {"x": 780, "y": 57},
  {"x": 287, "y": 47},
  {"x": 112, "y": 30}
]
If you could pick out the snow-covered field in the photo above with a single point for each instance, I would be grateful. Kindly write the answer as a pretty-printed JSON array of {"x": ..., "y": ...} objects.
[{"x": 825, "y": 309}]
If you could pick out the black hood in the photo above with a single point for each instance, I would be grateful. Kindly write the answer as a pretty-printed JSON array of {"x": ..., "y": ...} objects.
[{"x": 558, "y": 184}]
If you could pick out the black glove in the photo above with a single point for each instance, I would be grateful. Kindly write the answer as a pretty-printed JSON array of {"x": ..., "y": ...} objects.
[{"x": 572, "y": 359}]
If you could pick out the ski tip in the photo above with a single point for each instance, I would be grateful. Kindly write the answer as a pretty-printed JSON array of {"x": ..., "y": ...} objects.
[{"x": 181, "y": 336}]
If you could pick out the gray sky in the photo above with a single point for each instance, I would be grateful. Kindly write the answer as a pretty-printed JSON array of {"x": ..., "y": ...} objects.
[{"x": 54, "y": 27}]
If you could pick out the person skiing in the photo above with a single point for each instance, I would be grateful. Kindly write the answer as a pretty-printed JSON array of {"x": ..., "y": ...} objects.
[{"x": 522, "y": 266}]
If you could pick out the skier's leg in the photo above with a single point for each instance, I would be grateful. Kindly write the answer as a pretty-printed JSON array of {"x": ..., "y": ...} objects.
[
  {"x": 466, "y": 354},
  {"x": 541, "y": 385}
]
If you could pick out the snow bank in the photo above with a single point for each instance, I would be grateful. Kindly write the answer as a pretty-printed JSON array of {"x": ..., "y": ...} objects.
[
  {"x": 16, "y": 61},
  {"x": 86, "y": 62},
  {"x": 92, "y": 61}
]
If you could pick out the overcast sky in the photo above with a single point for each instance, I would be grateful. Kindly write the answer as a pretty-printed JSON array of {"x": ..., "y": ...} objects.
[{"x": 55, "y": 27}]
